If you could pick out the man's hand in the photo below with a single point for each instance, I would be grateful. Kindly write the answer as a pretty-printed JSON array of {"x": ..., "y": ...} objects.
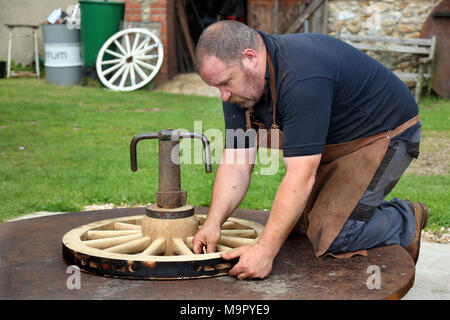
[
  {"x": 207, "y": 236},
  {"x": 255, "y": 262}
]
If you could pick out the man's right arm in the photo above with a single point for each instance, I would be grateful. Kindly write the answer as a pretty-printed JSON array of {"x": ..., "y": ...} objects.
[{"x": 230, "y": 187}]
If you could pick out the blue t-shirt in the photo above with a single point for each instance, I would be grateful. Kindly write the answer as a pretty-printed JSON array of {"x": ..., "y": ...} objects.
[{"x": 328, "y": 92}]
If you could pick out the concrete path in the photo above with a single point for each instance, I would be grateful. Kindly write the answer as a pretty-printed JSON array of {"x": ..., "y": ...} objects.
[{"x": 432, "y": 273}]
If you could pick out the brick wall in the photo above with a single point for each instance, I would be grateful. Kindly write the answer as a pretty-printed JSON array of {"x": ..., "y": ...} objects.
[{"x": 153, "y": 15}]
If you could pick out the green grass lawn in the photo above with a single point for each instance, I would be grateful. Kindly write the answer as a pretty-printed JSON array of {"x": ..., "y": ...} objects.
[{"x": 62, "y": 148}]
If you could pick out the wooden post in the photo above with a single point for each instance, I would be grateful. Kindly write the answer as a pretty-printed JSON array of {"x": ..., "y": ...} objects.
[
  {"x": 185, "y": 27},
  {"x": 301, "y": 19},
  {"x": 36, "y": 54},
  {"x": 8, "y": 74}
]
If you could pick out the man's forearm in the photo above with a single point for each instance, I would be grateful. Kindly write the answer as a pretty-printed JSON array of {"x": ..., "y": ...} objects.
[
  {"x": 230, "y": 186},
  {"x": 289, "y": 202}
]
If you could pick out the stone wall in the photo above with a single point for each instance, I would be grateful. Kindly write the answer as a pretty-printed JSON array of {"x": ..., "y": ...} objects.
[{"x": 393, "y": 18}]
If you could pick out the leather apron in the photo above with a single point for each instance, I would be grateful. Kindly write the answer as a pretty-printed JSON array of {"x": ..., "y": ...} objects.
[{"x": 344, "y": 174}]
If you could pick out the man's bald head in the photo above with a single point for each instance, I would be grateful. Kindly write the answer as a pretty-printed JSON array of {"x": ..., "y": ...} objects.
[{"x": 226, "y": 40}]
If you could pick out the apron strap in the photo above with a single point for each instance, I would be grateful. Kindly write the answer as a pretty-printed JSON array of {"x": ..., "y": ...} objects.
[
  {"x": 334, "y": 151},
  {"x": 248, "y": 122},
  {"x": 273, "y": 92}
]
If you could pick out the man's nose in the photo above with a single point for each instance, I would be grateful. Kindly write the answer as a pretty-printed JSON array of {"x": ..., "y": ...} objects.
[{"x": 225, "y": 94}]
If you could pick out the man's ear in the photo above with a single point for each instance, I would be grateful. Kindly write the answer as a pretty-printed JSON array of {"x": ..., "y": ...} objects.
[{"x": 249, "y": 57}]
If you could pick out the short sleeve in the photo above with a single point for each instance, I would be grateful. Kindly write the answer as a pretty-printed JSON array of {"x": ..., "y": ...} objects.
[
  {"x": 236, "y": 134},
  {"x": 305, "y": 109}
]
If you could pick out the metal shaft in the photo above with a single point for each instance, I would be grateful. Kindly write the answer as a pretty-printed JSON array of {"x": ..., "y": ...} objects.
[{"x": 169, "y": 194}]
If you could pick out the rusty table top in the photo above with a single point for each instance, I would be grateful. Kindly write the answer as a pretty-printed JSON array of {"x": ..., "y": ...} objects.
[{"x": 32, "y": 267}]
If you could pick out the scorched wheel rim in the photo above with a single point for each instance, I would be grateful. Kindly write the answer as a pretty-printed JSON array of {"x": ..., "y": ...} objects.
[{"x": 117, "y": 248}]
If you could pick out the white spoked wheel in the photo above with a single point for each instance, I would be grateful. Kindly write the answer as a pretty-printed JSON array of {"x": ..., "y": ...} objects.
[{"x": 130, "y": 59}]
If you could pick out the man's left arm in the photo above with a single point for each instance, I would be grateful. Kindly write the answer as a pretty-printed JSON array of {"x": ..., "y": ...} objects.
[{"x": 255, "y": 261}]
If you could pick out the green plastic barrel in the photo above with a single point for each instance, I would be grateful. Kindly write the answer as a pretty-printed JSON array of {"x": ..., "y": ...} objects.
[{"x": 99, "y": 21}]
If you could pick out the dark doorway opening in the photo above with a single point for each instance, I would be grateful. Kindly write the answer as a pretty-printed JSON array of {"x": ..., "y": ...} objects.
[{"x": 193, "y": 16}]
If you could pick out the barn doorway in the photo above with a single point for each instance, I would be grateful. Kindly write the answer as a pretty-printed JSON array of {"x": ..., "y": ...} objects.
[{"x": 193, "y": 16}]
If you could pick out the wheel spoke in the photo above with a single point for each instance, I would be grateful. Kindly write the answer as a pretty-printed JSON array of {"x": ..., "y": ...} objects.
[
  {"x": 131, "y": 247},
  {"x": 115, "y": 54},
  {"x": 179, "y": 247},
  {"x": 228, "y": 225},
  {"x": 132, "y": 75},
  {"x": 113, "y": 68},
  {"x": 145, "y": 65},
  {"x": 117, "y": 74},
  {"x": 139, "y": 71},
  {"x": 111, "y": 61},
  {"x": 135, "y": 42},
  {"x": 126, "y": 226},
  {"x": 243, "y": 233},
  {"x": 149, "y": 57},
  {"x": 146, "y": 49},
  {"x": 235, "y": 242},
  {"x": 124, "y": 76},
  {"x": 127, "y": 44},
  {"x": 190, "y": 243},
  {"x": 101, "y": 234},
  {"x": 110, "y": 242},
  {"x": 157, "y": 247},
  {"x": 143, "y": 44},
  {"x": 118, "y": 45}
]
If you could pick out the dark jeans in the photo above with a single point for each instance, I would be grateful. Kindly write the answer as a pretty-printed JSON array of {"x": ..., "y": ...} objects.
[{"x": 374, "y": 221}]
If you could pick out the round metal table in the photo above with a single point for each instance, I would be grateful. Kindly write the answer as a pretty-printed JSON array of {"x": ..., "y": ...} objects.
[{"x": 32, "y": 267}]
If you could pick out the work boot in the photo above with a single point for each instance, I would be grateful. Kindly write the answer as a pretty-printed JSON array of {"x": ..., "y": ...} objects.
[{"x": 421, "y": 214}]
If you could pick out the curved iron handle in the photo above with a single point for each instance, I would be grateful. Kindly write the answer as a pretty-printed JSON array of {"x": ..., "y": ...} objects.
[
  {"x": 134, "y": 141},
  {"x": 206, "y": 147},
  {"x": 173, "y": 135}
]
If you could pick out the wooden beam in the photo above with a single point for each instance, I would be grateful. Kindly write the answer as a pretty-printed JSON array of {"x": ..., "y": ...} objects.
[
  {"x": 414, "y": 41},
  {"x": 390, "y": 48},
  {"x": 297, "y": 24},
  {"x": 185, "y": 28}
]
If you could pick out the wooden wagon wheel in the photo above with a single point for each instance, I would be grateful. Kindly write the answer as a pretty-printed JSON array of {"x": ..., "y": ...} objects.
[
  {"x": 130, "y": 59},
  {"x": 118, "y": 248}
]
